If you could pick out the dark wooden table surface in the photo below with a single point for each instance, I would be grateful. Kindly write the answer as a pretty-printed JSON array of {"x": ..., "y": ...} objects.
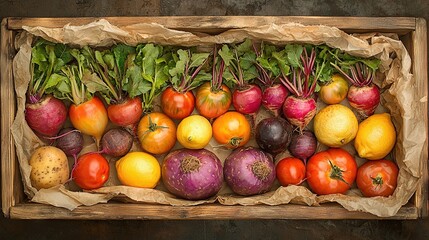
[{"x": 232, "y": 229}]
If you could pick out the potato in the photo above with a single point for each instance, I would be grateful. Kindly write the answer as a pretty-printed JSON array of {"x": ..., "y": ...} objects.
[{"x": 50, "y": 167}]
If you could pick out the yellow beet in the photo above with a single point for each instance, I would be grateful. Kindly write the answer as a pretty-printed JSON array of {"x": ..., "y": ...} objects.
[{"x": 49, "y": 167}]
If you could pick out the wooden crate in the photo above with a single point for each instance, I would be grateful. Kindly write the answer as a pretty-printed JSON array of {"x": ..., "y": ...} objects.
[{"x": 412, "y": 32}]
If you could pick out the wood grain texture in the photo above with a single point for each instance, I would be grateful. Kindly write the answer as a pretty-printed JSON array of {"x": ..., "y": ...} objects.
[
  {"x": 214, "y": 24},
  {"x": 117, "y": 211},
  {"x": 420, "y": 68},
  {"x": 8, "y": 163}
]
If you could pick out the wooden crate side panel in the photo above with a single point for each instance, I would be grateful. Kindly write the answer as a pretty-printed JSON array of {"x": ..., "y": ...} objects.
[
  {"x": 420, "y": 71},
  {"x": 216, "y": 24},
  {"x": 116, "y": 211},
  {"x": 10, "y": 175}
]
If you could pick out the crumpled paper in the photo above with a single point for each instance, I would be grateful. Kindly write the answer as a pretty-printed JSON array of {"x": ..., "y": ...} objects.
[{"x": 399, "y": 99}]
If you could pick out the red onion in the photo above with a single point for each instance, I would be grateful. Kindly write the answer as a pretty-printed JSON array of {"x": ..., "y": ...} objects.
[
  {"x": 303, "y": 146},
  {"x": 249, "y": 171},
  {"x": 192, "y": 174}
]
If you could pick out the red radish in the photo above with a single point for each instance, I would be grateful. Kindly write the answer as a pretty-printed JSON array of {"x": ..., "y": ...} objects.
[
  {"x": 89, "y": 117},
  {"x": 300, "y": 107},
  {"x": 47, "y": 116},
  {"x": 125, "y": 113},
  {"x": 273, "y": 94},
  {"x": 363, "y": 95},
  {"x": 240, "y": 62},
  {"x": 247, "y": 98},
  {"x": 273, "y": 97}
]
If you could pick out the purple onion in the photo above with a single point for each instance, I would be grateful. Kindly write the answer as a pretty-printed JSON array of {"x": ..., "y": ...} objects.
[
  {"x": 249, "y": 171},
  {"x": 192, "y": 174},
  {"x": 303, "y": 146}
]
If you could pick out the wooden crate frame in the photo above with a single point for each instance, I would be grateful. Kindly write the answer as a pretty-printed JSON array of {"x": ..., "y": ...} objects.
[{"x": 412, "y": 31}]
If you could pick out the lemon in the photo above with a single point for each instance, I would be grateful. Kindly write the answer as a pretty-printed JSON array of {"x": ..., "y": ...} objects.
[
  {"x": 138, "y": 169},
  {"x": 194, "y": 132},
  {"x": 335, "y": 125},
  {"x": 376, "y": 137}
]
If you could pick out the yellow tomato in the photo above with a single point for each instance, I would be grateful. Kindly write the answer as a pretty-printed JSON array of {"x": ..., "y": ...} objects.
[
  {"x": 138, "y": 169},
  {"x": 194, "y": 132}
]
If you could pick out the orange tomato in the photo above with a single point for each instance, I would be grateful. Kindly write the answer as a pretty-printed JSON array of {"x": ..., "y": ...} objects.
[
  {"x": 156, "y": 133},
  {"x": 231, "y": 129}
]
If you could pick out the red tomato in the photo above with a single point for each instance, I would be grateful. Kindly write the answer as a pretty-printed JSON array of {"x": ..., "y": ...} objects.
[
  {"x": 377, "y": 178},
  {"x": 212, "y": 104},
  {"x": 91, "y": 171},
  {"x": 331, "y": 171},
  {"x": 290, "y": 171},
  {"x": 177, "y": 105},
  {"x": 125, "y": 113}
]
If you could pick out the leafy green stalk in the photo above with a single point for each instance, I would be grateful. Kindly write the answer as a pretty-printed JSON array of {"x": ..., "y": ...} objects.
[
  {"x": 188, "y": 73},
  {"x": 266, "y": 64},
  {"x": 240, "y": 62},
  {"x": 47, "y": 59},
  {"x": 359, "y": 71},
  {"x": 76, "y": 80},
  {"x": 147, "y": 73}
]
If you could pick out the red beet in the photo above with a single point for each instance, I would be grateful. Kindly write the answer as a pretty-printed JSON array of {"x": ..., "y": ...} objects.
[
  {"x": 116, "y": 142},
  {"x": 47, "y": 116},
  {"x": 125, "y": 113}
]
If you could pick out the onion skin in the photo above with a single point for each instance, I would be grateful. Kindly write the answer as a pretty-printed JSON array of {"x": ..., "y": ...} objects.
[
  {"x": 299, "y": 111},
  {"x": 273, "y": 98},
  {"x": 47, "y": 116},
  {"x": 116, "y": 142},
  {"x": 125, "y": 113},
  {"x": 303, "y": 146},
  {"x": 192, "y": 174},
  {"x": 273, "y": 134},
  {"x": 364, "y": 99},
  {"x": 248, "y": 100},
  {"x": 240, "y": 167},
  {"x": 71, "y": 143}
]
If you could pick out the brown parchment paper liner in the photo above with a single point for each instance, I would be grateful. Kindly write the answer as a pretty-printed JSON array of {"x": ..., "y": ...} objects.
[{"x": 399, "y": 99}]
